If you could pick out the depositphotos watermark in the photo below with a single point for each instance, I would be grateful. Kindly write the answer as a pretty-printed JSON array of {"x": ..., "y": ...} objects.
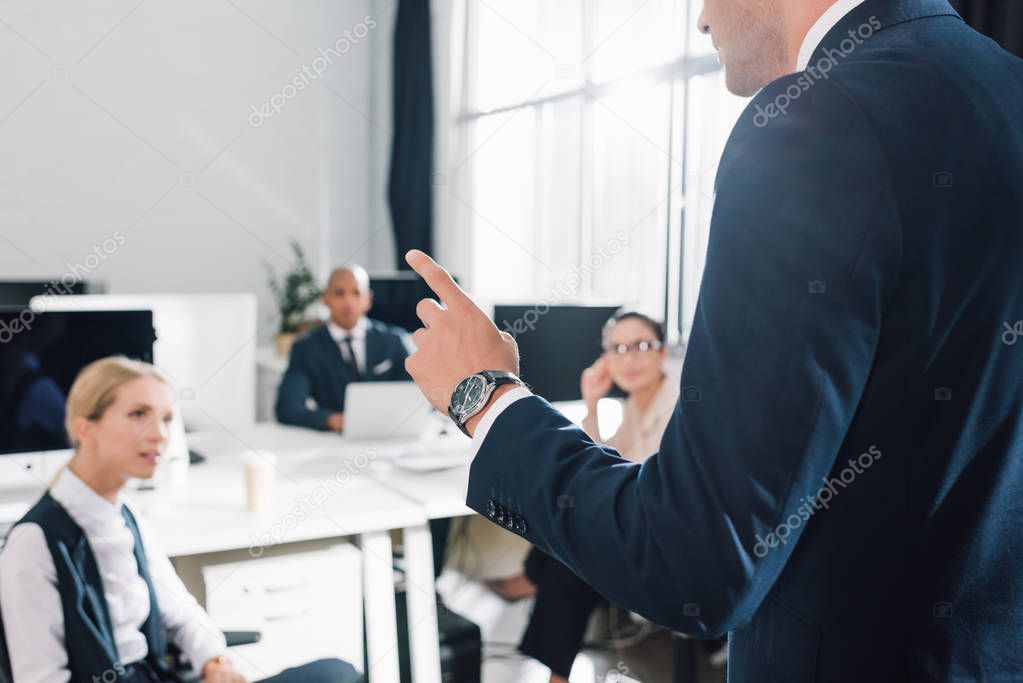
[
  {"x": 569, "y": 285},
  {"x": 307, "y": 504},
  {"x": 75, "y": 273},
  {"x": 110, "y": 675},
  {"x": 811, "y": 504},
  {"x": 616, "y": 675},
  {"x": 117, "y": 672},
  {"x": 814, "y": 73},
  {"x": 1012, "y": 332},
  {"x": 313, "y": 70}
]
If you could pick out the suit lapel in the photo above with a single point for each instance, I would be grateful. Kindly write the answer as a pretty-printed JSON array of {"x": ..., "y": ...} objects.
[{"x": 374, "y": 349}]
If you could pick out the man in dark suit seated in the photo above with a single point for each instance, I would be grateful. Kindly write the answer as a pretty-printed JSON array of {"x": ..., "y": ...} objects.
[{"x": 350, "y": 347}]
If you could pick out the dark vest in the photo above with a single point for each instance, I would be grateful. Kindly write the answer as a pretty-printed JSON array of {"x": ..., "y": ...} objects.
[{"x": 88, "y": 631}]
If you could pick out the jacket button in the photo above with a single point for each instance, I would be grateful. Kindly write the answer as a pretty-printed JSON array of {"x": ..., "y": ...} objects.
[
  {"x": 491, "y": 508},
  {"x": 499, "y": 517},
  {"x": 511, "y": 522},
  {"x": 520, "y": 525}
]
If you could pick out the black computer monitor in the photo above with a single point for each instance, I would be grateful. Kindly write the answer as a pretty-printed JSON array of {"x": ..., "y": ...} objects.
[
  {"x": 40, "y": 356},
  {"x": 555, "y": 344},
  {"x": 20, "y": 292},
  {"x": 395, "y": 296}
]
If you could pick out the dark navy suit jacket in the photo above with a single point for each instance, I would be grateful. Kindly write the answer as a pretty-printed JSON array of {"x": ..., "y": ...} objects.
[
  {"x": 841, "y": 485},
  {"x": 317, "y": 370}
]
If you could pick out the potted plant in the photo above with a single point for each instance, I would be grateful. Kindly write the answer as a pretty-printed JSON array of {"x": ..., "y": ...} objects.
[{"x": 294, "y": 292}]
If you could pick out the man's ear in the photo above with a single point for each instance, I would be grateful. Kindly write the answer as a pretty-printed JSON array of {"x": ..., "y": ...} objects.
[{"x": 369, "y": 300}]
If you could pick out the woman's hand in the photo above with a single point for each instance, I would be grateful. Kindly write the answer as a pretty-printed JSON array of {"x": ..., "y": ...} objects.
[
  {"x": 595, "y": 383},
  {"x": 219, "y": 670}
]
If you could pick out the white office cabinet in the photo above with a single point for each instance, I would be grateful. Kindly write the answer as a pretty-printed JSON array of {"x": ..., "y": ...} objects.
[
  {"x": 307, "y": 605},
  {"x": 269, "y": 370}
]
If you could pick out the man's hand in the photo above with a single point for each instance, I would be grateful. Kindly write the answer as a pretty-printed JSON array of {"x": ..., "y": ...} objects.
[
  {"x": 457, "y": 340},
  {"x": 335, "y": 422}
]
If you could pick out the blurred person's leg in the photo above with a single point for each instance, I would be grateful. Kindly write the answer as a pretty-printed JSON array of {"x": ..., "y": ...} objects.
[
  {"x": 320, "y": 671},
  {"x": 560, "y": 614},
  {"x": 439, "y": 531}
]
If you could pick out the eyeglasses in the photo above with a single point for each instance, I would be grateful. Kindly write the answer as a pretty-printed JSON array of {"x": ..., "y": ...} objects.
[{"x": 620, "y": 350}]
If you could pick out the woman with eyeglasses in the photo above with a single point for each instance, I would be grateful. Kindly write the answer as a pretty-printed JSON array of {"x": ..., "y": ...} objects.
[
  {"x": 85, "y": 593},
  {"x": 633, "y": 359}
]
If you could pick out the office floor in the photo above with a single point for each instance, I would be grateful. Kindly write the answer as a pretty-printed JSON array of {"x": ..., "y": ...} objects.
[{"x": 649, "y": 659}]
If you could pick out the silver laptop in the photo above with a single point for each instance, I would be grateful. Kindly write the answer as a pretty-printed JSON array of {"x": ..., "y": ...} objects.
[{"x": 387, "y": 410}]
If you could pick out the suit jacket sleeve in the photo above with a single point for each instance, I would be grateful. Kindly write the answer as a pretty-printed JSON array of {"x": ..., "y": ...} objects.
[
  {"x": 803, "y": 255},
  {"x": 295, "y": 388}
]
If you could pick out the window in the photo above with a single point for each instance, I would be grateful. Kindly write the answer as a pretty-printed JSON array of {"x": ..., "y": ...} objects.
[{"x": 593, "y": 130}]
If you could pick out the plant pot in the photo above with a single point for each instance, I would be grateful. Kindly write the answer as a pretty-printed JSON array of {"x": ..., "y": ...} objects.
[{"x": 283, "y": 342}]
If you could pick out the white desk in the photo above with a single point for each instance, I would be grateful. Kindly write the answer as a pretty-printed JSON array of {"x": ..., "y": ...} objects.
[
  {"x": 316, "y": 497},
  {"x": 442, "y": 493},
  {"x": 269, "y": 370},
  {"x": 366, "y": 501},
  {"x": 377, "y": 496}
]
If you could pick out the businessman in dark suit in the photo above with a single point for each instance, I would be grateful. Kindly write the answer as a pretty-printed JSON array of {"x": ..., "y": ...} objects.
[
  {"x": 350, "y": 347},
  {"x": 841, "y": 486}
]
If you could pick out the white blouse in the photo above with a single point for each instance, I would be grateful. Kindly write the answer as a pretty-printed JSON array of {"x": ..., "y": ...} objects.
[
  {"x": 639, "y": 435},
  {"x": 31, "y": 606}
]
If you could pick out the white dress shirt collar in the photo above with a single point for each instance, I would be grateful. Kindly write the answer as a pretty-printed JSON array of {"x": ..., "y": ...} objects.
[
  {"x": 85, "y": 506},
  {"x": 825, "y": 23},
  {"x": 357, "y": 333}
]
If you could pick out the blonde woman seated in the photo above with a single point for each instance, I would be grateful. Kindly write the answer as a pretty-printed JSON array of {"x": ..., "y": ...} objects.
[
  {"x": 85, "y": 593},
  {"x": 633, "y": 358}
]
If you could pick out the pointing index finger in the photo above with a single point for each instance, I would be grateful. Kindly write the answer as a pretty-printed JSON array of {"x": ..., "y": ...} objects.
[{"x": 438, "y": 279}]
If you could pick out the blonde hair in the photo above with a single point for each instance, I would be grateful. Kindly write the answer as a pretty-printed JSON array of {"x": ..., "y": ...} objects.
[{"x": 96, "y": 387}]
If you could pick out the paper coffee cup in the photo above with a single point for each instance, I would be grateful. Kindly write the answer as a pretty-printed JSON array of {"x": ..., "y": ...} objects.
[{"x": 260, "y": 472}]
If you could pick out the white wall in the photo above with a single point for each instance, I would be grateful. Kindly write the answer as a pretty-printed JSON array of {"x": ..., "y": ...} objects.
[{"x": 109, "y": 110}]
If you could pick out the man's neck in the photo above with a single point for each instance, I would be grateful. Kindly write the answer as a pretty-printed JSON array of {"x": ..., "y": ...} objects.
[
  {"x": 800, "y": 18},
  {"x": 346, "y": 329}
]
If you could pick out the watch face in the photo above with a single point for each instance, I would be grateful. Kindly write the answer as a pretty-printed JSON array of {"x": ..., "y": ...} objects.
[{"x": 468, "y": 394}]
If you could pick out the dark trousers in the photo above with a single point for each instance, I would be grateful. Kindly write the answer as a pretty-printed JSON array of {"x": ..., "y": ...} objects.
[
  {"x": 561, "y": 611},
  {"x": 321, "y": 671},
  {"x": 439, "y": 530},
  {"x": 139, "y": 672}
]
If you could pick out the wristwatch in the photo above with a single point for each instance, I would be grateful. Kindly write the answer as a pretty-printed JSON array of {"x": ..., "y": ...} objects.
[{"x": 473, "y": 393}]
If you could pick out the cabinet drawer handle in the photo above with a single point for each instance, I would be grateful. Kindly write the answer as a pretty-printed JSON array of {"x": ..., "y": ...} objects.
[
  {"x": 288, "y": 617},
  {"x": 286, "y": 588}
]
